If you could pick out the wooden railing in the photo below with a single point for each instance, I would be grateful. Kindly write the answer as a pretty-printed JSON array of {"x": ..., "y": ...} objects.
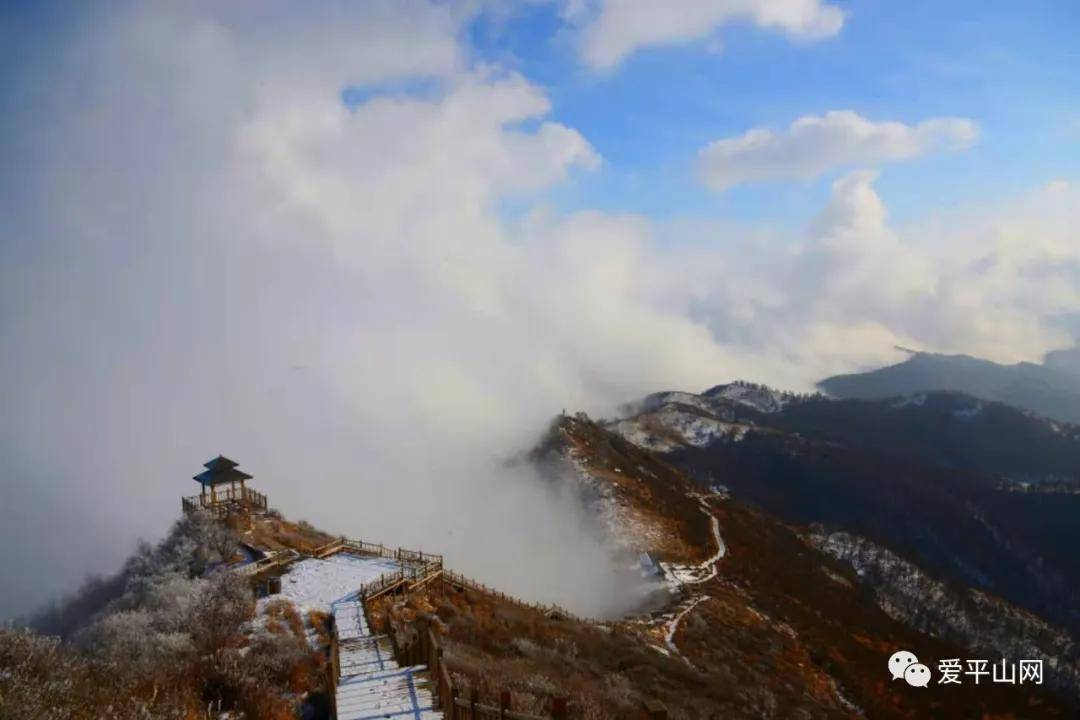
[
  {"x": 419, "y": 569},
  {"x": 328, "y": 549},
  {"x": 271, "y": 561},
  {"x": 366, "y": 548},
  {"x": 333, "y": 667},
  {"x": 403, "y": 556},
  {"x": 222, "y": 501},
  {"x": 550, "y": 609},
  {"x": 381, "y": 585},
  {"x": 428, "y": 651},
  {"x": 408, "y": 577},
  {"x": 255, "y": 499},
  {"x": 472, "y": 708},
  {"x": 360, "y": 547}
]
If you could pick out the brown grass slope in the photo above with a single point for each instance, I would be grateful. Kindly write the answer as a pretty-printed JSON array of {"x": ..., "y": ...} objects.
[
  {"x": 655, "y": 490},
  {"x": 786, "y": 631},
  {"x": 608, "y": 671}
]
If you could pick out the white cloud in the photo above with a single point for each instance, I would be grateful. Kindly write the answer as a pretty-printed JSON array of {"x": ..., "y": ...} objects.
[
  {"x": 814, "y": 145},
  {"x": 1000, "y": 283},
  {"x": 219, "y": 256},
  {"x": 618, "y": 28}
]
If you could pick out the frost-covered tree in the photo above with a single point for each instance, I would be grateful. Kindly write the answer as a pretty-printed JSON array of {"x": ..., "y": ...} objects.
[
  {"x": 154, "y": 635},
  {"x": 225, "y": 603},
  {"x": 195, "y": 545},
  {"x": 41, "y": 678}
]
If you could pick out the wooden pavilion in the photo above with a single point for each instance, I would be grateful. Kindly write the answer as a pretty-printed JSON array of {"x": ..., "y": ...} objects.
[{"x": 224, "y": 490}]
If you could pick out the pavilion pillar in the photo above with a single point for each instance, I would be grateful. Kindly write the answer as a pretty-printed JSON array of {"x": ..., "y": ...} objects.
[{"x": 221, "y": 471}]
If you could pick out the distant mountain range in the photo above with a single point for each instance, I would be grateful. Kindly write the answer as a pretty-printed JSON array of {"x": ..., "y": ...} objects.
[
  {"x": 1051, "y": 388},
  {"x": 978, "y": 493}
]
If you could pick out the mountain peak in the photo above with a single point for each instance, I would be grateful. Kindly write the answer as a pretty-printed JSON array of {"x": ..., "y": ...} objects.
[
  {"x": 1051, "y": 389},
  {"x": 758, "y": 397}
]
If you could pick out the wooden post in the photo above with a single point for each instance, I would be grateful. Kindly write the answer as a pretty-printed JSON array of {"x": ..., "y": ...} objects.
[
  {"x": 390, "y": 632},
  {"x": 504, "y": 704},
  {"x": 436, "y": 676},
  {"x": 453, "y": 704},
  {"x": 333, "y": 690},
  {"x": 425, "y": 645},
  {"x": 474, "y": 700},
  {"x": 558, "y": 708},
  {"x": 337, "y": 654},
  {"x": 447, "y": 683}
]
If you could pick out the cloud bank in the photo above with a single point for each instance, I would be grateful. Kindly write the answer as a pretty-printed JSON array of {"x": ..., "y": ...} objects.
[
  {"x": 1000, "y": 283},
  {"x": 615, "y": 29},
  {"x": 812, "y": 146},
  {"x": 210, "y": 252}
]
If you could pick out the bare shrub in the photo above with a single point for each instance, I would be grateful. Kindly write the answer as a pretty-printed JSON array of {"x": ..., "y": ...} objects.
[
  {"x": 284, "y": 612},
  {"x": 225, "y": 604}
]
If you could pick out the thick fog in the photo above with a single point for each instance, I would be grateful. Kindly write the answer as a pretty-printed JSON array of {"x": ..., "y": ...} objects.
[{"x": 206, "y": 250}]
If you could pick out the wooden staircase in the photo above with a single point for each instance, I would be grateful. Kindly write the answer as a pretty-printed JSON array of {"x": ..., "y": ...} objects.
[{"x": 370, "y": 683}]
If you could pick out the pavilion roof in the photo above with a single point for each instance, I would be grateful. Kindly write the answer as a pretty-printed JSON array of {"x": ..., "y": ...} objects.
[
  {"x": 221, "y": 470},
  {"x": 220, "y": 462}
]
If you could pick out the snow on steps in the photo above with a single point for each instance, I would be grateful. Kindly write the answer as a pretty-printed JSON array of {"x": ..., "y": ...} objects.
[{"x": 372, "y": 685}]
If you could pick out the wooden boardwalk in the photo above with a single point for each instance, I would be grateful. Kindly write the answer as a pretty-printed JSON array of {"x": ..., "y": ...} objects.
[{"x": 371, "y": 685}]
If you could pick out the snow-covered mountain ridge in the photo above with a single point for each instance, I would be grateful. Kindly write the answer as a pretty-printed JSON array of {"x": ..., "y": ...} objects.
[{"x": 665, "y": 421}]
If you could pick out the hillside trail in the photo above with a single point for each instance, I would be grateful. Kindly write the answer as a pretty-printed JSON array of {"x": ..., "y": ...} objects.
[{"x": 690, "y": 576}]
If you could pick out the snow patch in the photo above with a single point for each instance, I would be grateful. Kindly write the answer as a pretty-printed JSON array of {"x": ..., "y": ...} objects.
[
  {"x": 758, "y": 397},
  {"x": 659, "y": 400},
  {"x": 673, "y": 426},
  {"x": 974, "y": 410},
  {"x": 314, "y": 584},
  {"x": 627, "y": 528},
  {"x": 673, "y": 624}
]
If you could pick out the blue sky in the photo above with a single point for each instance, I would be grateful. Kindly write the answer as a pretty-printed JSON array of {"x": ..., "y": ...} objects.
[{"x": 1010, "y": 67}]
